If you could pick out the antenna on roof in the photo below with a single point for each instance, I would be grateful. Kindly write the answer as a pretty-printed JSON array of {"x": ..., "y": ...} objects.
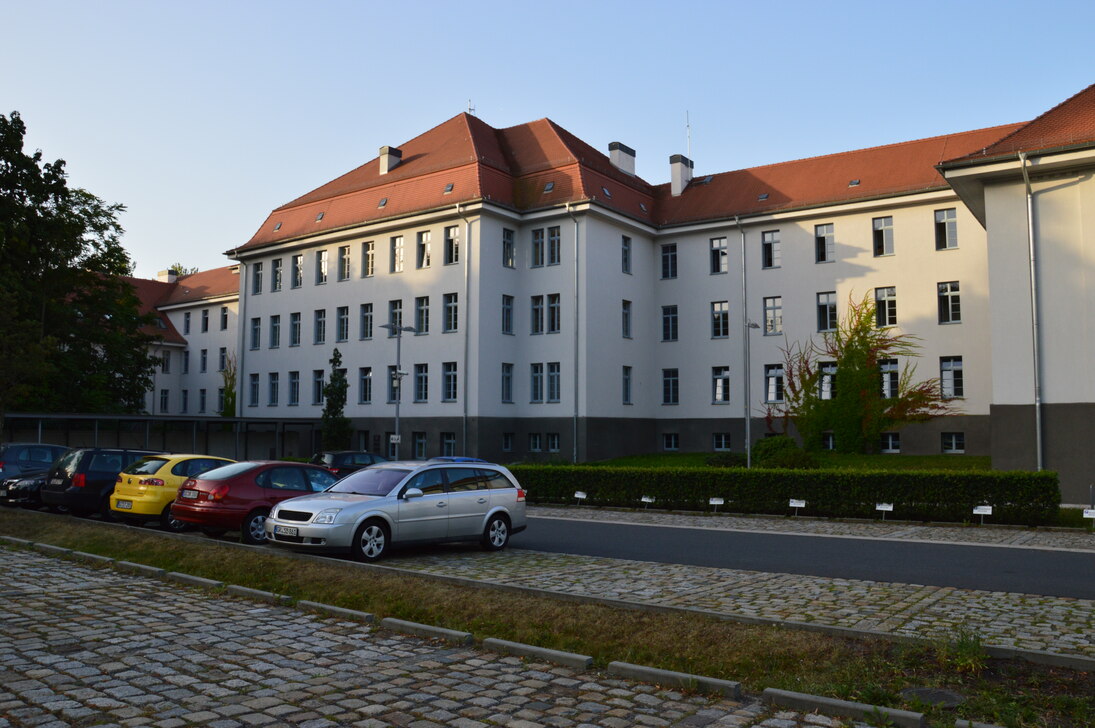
[
  {"x": 688, "y": 135},
  {"x": 471, "y": 109}
]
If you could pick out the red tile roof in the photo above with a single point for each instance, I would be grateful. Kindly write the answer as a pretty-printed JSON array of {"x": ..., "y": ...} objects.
[
  {"x": 204, "y": 284},
  {"x": 150, "y": 293}
]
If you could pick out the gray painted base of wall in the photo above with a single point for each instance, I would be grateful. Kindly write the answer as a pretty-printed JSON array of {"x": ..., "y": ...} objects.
[{"x": 1068, "y": 433}]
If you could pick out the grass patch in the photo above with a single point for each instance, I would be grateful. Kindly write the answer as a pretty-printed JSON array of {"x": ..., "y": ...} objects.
[
  {"x": 826, "y": 460},
  {"x": 1005, "y": 692}
]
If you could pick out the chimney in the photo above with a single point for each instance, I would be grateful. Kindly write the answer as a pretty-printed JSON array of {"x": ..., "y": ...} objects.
[
  {"x": 680, "y": 173},
  {"x": 623, "y": 157},
  {"x": 167, "y": 276},
  {"x": 389, "y": 159}
]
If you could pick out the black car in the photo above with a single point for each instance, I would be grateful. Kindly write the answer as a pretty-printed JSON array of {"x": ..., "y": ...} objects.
[
  {"x": 344, "y": 462},
  {"x": 82, "y": 480},
  {"x": 23, "y": 490},
  {"x": 26, "y": 458}
]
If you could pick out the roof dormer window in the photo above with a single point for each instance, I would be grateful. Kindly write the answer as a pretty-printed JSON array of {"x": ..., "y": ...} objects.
[
  {"x": 642, "y": 206},
  {"x": 854, "y": 183},
  {"x": 607, "y": 193},
  {"x": 549, "y": 187},
  {"x": 319, "y": 217},
  {"x": 762, "y": 196},
  {"x": 277, "y": 227},
  {"x": 382, "y": 203},
  {"x": 448, "y": 188}
]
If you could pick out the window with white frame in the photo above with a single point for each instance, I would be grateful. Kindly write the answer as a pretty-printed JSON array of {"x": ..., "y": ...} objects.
[
  {"x": 626, "y": 385},
  {"x": 720, "y": 441},
  {"x": 256, "y": 278},
  {"x": 395, "y": 254},
  {"x": 422, "y": 250},
  {"x": 365, "y": 321},
  {"x": 186, "y": 361},
  {"x": 203, "y": 361},
  {"x": 950, "y": 304},
  {"x": 826, "y": 311},
  {"x": 826, "y": 382},
  {"x": 224, "y": 318},
  {"x": 946, "y": 229},
  {"x": 720, "y": 385},
  {"x": 824, "y": 243},
  {"x": 771, "y": 256},
  {"x": 507, "y": 314},
  {"x": 537, "y": 251},
  {"x": 669, "y": 261},
  {"x": 321, "y": 267},
  {"x": 342, "y": 323},
  {"x": 720, "y": 319},
  {"x": 507, "y": 382},
  {"x": 885, "y": 301},
  {"x": 509, "y": 252},
  {"x": 368, "y": 259},
  {"x": 186, "y": 323},
  {"x": 891, "y": 377},
  {"x": 534, "y": 442},
  {"x": 395, "y": 316},
  {"x": 671, "y": 441},
  {"x": 625, "y": 254},
  {"x": 553, "y": 442},
  {"x": 165, "y": 400},
  {"x": 452, "y": 245},
  {"x": 344, "y": 262},
  {"x": 421, "y": 382},
  {"x": 554, "y": 247},
  {"x": 272, "y": 389},
  {"x": 319, "y": 328},
  {"x": 296, "y": 273},
  {"x": 891, "y": 442},
  {"x": 294, "y": 390},
  {"x": 317, "y": 386},
  {"x": 448, "y": 444},
  {"x": 950, "y": 377},
  {"x": 205, "y": 320},
  {"x": 773, "y": 382},
  {"x": 554, "y": 383},
  {"x": 536, "y": 382},
  {"x": 671, "y": 386},
  {"x": 507, "y": 442},
  {"x": 184, "y": 405},
  {"x": 422, "y": 315},
  {"x": 222, "y": 359},
  {"x": 954, "y": 442},
  {"x": 364, "y": 385},
  {"x": 275, "y": 275},
  {"x": 554, "y": 314},
  {"x": 220, "y": 399},
  {"x": 448, "y": 381},
  {"x": 201, "y": 401},
  {"x": 165, "y": 362},
  {"x": 669, "y": 323},
  {"x": 256, "y": 332},
  {"x": 719, "y": 261},
  {"x": 419, "y": 445},
  {"x": 275, "y": 331},
  {"x": 828, "y": 441},
  {"x": 625, "y": 313},
  {"x": 883, "y": 235},
  {"x": 773, "y": 315},
  {"x": 452, "y": 313},
  {"x": 395, "y": 385}
]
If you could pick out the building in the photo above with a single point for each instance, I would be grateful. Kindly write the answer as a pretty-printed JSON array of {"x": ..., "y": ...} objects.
[{"x": 551, "y": 304}]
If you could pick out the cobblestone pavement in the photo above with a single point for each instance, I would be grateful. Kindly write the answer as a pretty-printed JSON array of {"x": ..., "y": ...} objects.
[
  {"x": 903, "y": 531},
  {"x": 83, "y": 646}
]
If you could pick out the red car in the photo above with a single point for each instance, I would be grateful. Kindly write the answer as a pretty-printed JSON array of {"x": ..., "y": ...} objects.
[{"x": 239, "y": 496}]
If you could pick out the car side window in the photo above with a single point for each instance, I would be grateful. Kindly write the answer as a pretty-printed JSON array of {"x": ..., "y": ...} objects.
[
  {"x": 496, "y": 481},
  {"x": 429, "y": 482},
  {"x": 106, "y": 463},
  {"x": 463, "y": 479},
  {"x": 285, "y": 479},
  {"x": 363, "y": 458},
  {"x": 320, "y": 479}
]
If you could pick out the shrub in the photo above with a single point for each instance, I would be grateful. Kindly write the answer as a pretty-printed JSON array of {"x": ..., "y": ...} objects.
[
  {"x": 727, "y": 460},
  {"x": 782, "y": 451}
]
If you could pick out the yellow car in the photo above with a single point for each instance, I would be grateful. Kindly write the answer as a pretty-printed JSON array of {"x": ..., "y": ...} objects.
[{"x": 145, "y": 490}]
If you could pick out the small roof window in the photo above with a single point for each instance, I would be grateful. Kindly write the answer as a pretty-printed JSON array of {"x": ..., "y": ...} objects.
[
  {"x": 762, "y": 196},
  {"x": 707, "y": 179},
  {"x": 854, "y": 183},
  {"x": 160, "y": 324},
  {"x": 448, "y": 188},
  {"x": 277, "y": 227},
  {"x": 319, "y": 217},
  {"x": 549, "y": 187},
  {"x": 642, "y": 206},
  {"x": 382, "y": 203},
  {"x": 607, "y": 193}
]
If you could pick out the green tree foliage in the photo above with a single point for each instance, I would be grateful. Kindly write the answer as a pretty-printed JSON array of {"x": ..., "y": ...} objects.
[
  {"x": 851, "y": 405},
  {"x": 182, "y": 270},
  {"x": 335, "y": 428},
  {"x": 70, "y": 323}
]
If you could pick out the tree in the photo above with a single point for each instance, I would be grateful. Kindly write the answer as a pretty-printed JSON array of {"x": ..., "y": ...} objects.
[
  {"x": 853, "y": 402},
  {"x": 70, "y": 324},
  {"x": 335, "y": 428},
  {"x": 182, "y": 270},
  {"x": 228, "y": 378}
]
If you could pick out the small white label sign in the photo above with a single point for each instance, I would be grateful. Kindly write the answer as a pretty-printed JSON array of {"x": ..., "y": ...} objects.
[
  {"x": 647, "y": 499},
  {"x": 1089, "y": 513},
  {"x": 982, "y": 510},
  {"x": 883, "y": 507},
  {"x": 579, "y": 494},
  {"x": 395, "y": 439},
  {"x": 715, "y": 502},
  {"x": 797, "y": 503}
]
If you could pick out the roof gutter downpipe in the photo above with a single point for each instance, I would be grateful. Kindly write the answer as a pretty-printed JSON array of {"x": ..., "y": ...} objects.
[
  {"x": 1034, "y": 332},
  {"x": 745, "y": 351},
  {"x": 467, "y": 332},
  {"x": 574, "y": 417}
]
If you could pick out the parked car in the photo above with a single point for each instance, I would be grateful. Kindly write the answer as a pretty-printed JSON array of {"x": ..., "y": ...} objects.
[
  {"x": 23, "y": 490},
  {"x": 344, "y": 462},
  {"x": 145, "y": 490},
  {"x": 240, "y": 495},
  {"x": 83, "y": 479},
  {"x": 403, "y": 503},
  {"x": 19, "y": 458}
]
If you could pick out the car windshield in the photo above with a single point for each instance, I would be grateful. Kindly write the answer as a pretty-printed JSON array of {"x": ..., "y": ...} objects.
[
  {"x": 145, "y": 466},
  {"x": 227, "y": 471},
  {"x": 370, "y": 481}
]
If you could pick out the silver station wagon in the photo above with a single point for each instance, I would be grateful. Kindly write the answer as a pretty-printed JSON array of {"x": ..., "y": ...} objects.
[{"x": 404, "y": 503}]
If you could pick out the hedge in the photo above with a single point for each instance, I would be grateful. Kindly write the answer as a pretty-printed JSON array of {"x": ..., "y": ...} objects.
[{"x": 1017, "y": 497}]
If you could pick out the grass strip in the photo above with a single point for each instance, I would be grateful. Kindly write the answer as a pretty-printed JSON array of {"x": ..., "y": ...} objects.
[{"x": 1004, "y": 692}]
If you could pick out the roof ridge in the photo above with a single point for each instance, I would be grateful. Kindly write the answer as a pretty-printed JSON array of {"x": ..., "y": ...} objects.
[{"x": 1041, "y": 116}]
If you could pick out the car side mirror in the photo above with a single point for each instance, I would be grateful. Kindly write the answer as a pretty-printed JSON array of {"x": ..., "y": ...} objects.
[{"x": 412, "y": 493}]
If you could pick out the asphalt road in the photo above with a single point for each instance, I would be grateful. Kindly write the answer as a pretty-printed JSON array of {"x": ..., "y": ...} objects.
[{"x": 989, "y": 568}]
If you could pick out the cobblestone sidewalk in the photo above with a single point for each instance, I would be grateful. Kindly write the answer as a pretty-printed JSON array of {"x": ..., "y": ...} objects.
[{"x": 83, "y": 646}]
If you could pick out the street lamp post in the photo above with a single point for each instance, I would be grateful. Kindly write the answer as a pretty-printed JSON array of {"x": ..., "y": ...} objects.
[{"x": 398, "y": 375}]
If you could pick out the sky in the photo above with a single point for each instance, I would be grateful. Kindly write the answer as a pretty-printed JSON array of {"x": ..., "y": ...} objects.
[{"x": 201, "y": 117}]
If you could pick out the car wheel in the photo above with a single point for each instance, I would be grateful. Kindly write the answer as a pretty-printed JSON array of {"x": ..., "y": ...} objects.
[
  {"x": 496, "y": 534},
  {"x": 371, "y": 541},
  {"x": 169, "y": 523},
  {"x": 104, "y": 509},
  {"x": 213, "y": 532},
  {"x": 253, "y": 530}
]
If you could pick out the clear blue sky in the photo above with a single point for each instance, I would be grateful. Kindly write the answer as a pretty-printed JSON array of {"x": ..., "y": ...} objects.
[{"x": 202, "y": 116}]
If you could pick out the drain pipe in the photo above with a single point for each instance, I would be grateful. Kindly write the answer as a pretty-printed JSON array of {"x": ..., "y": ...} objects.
[
  {"x": 574, "y": 418},
  {"x": 745, "y": 352},
  {"x": 1034, "y": 334},
  {"x": 467, "y": 328}
]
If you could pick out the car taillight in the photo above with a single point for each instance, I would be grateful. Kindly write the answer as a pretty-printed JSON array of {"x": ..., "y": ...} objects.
[
  {"x": 147, "y": 481},
  {"x": 118, "y": 479},
  {"x": 188, "y": 483},
  {"x": 79, "y": 480},
  {"x": 219, "y": 492},
  {"x": 520, "y": 495}
]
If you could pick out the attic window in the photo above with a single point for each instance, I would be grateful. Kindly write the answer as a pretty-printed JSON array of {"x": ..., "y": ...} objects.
[
  {"x": 277, "y": 227},
  {"x": 707, "y": 179},
  {"x": 383, "y": 202},
  {"x": 762, "y": 196},
  {"x": 549, "y": 187},
  {"x": 448, "y": 188},
  {"x": 607, "y": 193},
  {"x": 854, "y": 183},
  {"x": 161, "y": 324},
  {"x": 642, "y": 206},
  {"x": 319, "y": 217}
]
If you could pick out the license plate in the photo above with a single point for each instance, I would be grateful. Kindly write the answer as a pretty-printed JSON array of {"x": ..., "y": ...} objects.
[
  {"x": 56, "y": 481},
  {"x": 123, "y": 505},
  {"x": 191, "y": 494},
  {"x": 3, "y": 494},
  {"x": 285, "y": 530}
]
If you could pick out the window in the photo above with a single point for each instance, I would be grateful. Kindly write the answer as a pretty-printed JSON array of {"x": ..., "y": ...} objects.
[
  {"x": 220, "y": 399},
  {"x": 452, "y": 245},
  {"x": 554, "y": 384},
  {"x": 452, "y": 313},
  {"x": 421, "y": 382},
  {"x": 891, "y": 442},
  {"x": 554, "y": 314},
  {"x": 253, "y": 390},
  {"x": 296, "y": 275},
  {"x": 165, "y": 362},
  {"x": 205, "y": 320},
  {"x": 883, "y": 236},
  {"x": 422, "y": 250},
  {"x": 828, "y": 442},
  {"x": 536, "y": 382},
  {"x": 395, "y": 316},
  {"x": 720, "y": 319},
  {"x": 275, "y": 331},
  {"x": 826, "y": 382},
  {"x": 394, "y": 384},
  {"x": 184, "y": 405},
  {"x": 507, "y": 382},
  {"x": 826, "y": 311},
  {"x": 321, "y": 267},
  {"x": 625, "y": 255},
  {"x": 773, "y": 382},
  {"x": 204, "y": 361},
  {"x": 946, "y": 229},
  {"x": 366, "y": 321},
  {"x": 448, "y": 444},
  {"x": 201, "y": 401},
  {"x": 272, "y": 389},
  {"x": 671, "y": 386},
  {"x": 719, "y": 260},
  {"x": 364, "y": 385},
  {"x": 537, "y": 251},
  {"x": 770, "y": 254},
  {"x": 669, "y": 261},
  {"x": 165, "y": 400},
  {"x": 419, "y": 445},
  {"x": 824, "y": 244},
  {"x": 275, "y": 275},
  {"x": 368, "y": 259},
  {"x": 534, "y": 442},
  {"x": 536, "y": 316},
  {"x": 342, "y": 323},
  {"x": 950, "y": 377},
  {"x": 509, "y": 254},
  {"x": 773, "y": 315},
  {"x": 319, "y": 328},
  {"x": 669, "y": 323},
  {"x": 554, "y": 245},
  {"x": 422, "y": 315},
  {"x": 317, "y": 386},
  {"x": 626, "y": 319},
  {"x": 671, "y": 441},
  {"x": 950, "y": 305},
  {"x": 507, "y": 442},
  {"x": 395, "y": 256},
  {"x": 186, "y": 323},
  {"x": 256, "y": 279},
  {"x": 626, "y": 385},
  {"x": 890, "y": 377},
  {"x": 720, "y": 441},
  {"x": 885, "y": 300},
  {"x": 224, "y": 318},
  {"x": 186, "y": 362},
  {"x": 954, "y": 442},
  {"x": 294, "y": 389},
  {"x": 222, "y": 359},
  {"x": 344, "y": 262},
  {"x": 294, "y": 329},
  {"x": 507, "y": 314},
  {"x": 553, "y": 442},
  {"x": 448, "y": 381},
  {"x": 256, "y": 332},
  {"x": 720, "y": 385}
]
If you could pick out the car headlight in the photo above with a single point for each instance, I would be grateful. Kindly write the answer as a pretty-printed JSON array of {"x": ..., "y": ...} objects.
[{"x": 326, "y": 516}]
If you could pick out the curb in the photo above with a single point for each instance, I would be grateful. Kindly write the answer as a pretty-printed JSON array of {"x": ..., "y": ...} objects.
[
  {"x": 142, "y": 569},
  {"x": 17, "y": 541},
  {"x": 678, "y": 679},
  {"x": 963, "y": 723},
  {"x": 427, "y": 630},
  {"x": 262, "y": 596},
  {"x": 193, "y": 580},
  {"x": 350, "y": 614},
  {"x": 1073, "y": 662},
  {"x": 843, "y": 708},
  {"x": 46, "y": 548},
  {"x": 567, "y": 659},
  {"x": 94, "y": 558}
]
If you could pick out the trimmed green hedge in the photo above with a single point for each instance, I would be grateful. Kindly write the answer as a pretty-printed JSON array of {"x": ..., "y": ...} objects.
[{"x": 923, "y": 495}]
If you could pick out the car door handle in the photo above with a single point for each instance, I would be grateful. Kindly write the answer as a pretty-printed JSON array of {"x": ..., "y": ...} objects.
[
  {"x": 440, "y": 504},
  {"x": 481, "y": 500}
]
